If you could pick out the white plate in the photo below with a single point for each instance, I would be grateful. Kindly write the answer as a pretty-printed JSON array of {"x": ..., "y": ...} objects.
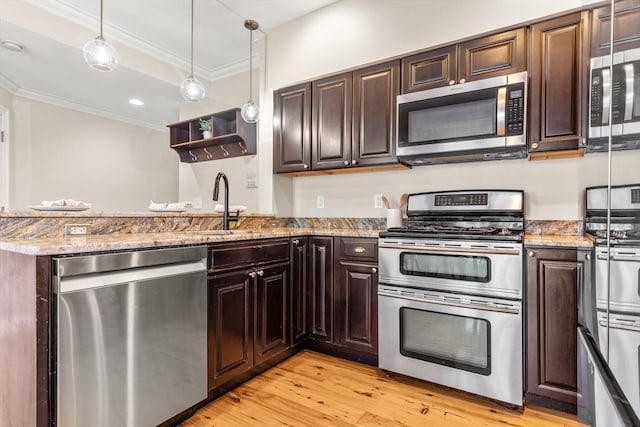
[
  {"x": 59, "y": 208},
  {"x": 167, "y": 209}
]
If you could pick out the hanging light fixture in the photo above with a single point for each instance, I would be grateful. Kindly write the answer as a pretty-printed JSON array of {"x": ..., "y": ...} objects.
[
  {"x": 99, "y": 54},
  {"x": 191, "y": 88},
  {"x": 250, "y": 111}
]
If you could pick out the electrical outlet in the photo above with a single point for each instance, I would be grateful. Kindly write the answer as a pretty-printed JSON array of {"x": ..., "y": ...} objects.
[
  {"x": 196, "y": 204},
  {"x": 320, "y": 202},
  {"x": 76, "y": 229},
  {"x": 377, "y": 201}
]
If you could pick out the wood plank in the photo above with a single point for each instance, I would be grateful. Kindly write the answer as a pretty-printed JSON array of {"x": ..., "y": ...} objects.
[{"x": 316, "y": 389}]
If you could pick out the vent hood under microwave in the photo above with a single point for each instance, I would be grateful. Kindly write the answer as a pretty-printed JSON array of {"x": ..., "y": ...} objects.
[{"x": 480, "y": 120}]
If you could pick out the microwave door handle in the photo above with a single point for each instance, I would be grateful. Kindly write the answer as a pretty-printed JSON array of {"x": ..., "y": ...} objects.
[
  {"x": 628, "y": 105},
  {"x": 606, "y": 95},
  {"x": 500, "y": 111}
]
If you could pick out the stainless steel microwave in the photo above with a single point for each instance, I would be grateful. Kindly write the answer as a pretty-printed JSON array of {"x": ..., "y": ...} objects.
[
  {"x": 479, "y": 120},
  {"x": 615, "y": 96}
]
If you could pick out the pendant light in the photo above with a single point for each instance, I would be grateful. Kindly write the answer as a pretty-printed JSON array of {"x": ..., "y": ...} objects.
[
  {"x": 192, "y": 89},
  {"x": 250, "y": 111},
  {"x": 99, "y": 54}
]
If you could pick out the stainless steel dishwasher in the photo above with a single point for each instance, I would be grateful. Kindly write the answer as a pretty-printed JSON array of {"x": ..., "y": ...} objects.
[{"x": 131, "y": 342}]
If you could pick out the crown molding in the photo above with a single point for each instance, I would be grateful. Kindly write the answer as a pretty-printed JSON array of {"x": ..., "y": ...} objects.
[
  {"x": 8, "y": 84},
  {"x": 65, "y": 103},
  {"x": 137, "y": 43}
]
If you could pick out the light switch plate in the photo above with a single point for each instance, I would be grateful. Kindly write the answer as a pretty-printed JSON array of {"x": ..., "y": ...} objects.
[
  {"x": 320, "y": 202},
  {"x": 251, "y": 179}
]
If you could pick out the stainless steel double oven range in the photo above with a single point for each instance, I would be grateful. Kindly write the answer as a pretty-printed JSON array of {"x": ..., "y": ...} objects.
[{"x": 450, "y": 292}]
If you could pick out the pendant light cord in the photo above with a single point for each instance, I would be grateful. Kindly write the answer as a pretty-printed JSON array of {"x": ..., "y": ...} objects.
[
  {"x": 250, "y": 65},
  {"x": 192, "y": 39},
  {"x": 101, "y": 7}
]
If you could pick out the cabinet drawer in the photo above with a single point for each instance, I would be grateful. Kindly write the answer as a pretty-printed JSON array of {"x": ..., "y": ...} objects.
[
  {"x": 362, "y": 249},
  {"x": 241, "y": 254}
]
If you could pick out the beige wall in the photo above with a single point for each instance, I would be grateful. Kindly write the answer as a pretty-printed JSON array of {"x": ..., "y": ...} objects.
[
  {"x": 62, "y": 153},
  {"x": 196, "y": 179},
  {"x": 351, "y": 33}
]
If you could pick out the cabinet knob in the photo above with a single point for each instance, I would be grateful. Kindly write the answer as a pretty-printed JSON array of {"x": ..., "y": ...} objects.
[
  {"x": 374, "y": 270},
  {"x": 260, "y": 273},
  {"x": 531, "y": 254},
  {"x": 295, "y": 242},
  {"x": 252, "y": 274},
  {"x": 305, "y": 166},
  {"x": 583, "y": 141},
  {"x": 452, "y": 82},
  {"x": 359, "y": 249},
  {"x": 346, "y": 162},
  {"x": 535, "y": 146},
  {"x": 353, "y": 162},
  {"x": 463, "y": 81},
  {"x": 588, "y": 256}
]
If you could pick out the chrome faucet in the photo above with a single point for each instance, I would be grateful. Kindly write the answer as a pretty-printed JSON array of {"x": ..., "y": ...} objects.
[{"x": 216, "y": 191}]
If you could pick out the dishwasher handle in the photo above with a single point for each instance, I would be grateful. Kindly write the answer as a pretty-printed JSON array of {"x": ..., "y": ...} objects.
[{"x": 99, "y": 280}]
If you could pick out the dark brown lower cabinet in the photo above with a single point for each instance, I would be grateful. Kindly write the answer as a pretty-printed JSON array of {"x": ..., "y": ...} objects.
[
  {"x": 356, "y": 307},
  {"x": 299, "y": 289},
  {"x": 271, "y": 333},
  {"x": 321, "y": 288},
  {"x": 553, "y": 278},
  {"x": 230, "y": 331}
]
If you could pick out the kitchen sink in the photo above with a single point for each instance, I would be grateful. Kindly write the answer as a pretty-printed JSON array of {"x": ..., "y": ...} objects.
[{"x": 219, "y": 232}]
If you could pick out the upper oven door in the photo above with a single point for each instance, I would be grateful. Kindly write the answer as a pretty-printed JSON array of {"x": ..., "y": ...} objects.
[
  {"x": 476, "y": 268},
  {"x": 483, "y": 114},
  {"x": 624, "y": 273}
]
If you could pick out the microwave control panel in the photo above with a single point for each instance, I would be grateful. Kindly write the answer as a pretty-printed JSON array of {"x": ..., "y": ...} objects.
[{"x": 515, "y": 109}]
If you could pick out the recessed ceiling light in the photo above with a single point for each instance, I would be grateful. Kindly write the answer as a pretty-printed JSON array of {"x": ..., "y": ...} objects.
[
  {"x": 12, "y": 46},
  {"x": 136, "y": 101}
]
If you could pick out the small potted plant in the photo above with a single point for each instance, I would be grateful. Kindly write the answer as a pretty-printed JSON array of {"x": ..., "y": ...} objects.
[{"x": 206, "y": 127}]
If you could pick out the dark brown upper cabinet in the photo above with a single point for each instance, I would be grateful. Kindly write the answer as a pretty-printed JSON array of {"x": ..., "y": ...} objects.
[
  {"x": 480, "y": 58},
  {"x": 374, "y": 114},
  {"x": 558, "y": 91},
  {"x": 292, "y": 129},
  {"x": 332, "y": 100},
  {"x": 428, "y": 70},
  {"x": 626, "y": 29}
]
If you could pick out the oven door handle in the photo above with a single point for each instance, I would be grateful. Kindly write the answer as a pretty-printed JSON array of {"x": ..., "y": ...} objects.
[
  {"x": 453, "y": 302},
  {"x": 471, "y": 251},
  {"x": 629, "y": 258}
]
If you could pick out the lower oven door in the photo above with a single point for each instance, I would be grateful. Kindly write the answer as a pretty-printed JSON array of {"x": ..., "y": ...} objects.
[
  {"x": 469, "y": 343},
  {"x": 624, "y": 352},
  {"x": 625, "y": 279}
]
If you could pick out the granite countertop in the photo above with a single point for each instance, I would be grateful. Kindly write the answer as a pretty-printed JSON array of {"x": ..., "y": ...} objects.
[
  {"x": 114, "y": 242},
  {"x": 558, "y": 241}
]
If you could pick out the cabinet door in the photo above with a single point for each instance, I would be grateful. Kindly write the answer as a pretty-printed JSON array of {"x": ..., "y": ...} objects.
[
  {"x": 626, "y": 30},
  {"x": 492, "y": 56},
  {"x": 356, "y": 307},
  {"x": 374, "y": 114},
  {"x": 299, "y": 289},
  {"x": 321, "y": 288},
  {"x": 332, "y": 112},
  {"x": 430, "y": 69},
  {"x": 558, "y": 69},
  {"x": 272, "y": 326},
  {"x": 230, "y": 333},
  {"x": 292, "y": 129},
  {"x": 552, "y": 313}
]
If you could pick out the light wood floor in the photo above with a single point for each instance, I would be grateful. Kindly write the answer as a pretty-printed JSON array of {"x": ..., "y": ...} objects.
[{"x": 312, "y": 389}]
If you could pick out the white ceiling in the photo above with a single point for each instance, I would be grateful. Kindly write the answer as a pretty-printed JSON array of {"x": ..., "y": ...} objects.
[{"x": 152, "y": 38}]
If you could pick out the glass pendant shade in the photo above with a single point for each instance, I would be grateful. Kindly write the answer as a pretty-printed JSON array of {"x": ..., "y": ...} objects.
[
  {"x": 192, "y": 89},
  {"x": 250, "y": 112},
  {"x": 100, "y": 55}
]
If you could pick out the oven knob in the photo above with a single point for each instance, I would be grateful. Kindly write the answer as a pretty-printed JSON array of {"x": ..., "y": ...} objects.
[
  {"x": 452, "y": 82},
  {"x": 531, "y": 254}
]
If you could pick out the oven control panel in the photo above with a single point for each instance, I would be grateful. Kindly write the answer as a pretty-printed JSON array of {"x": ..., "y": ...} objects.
[{"x": 475, "y": 199}]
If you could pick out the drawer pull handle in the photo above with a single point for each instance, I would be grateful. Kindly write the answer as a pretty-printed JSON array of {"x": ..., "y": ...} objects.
[{"x": 359, "y": 250}]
